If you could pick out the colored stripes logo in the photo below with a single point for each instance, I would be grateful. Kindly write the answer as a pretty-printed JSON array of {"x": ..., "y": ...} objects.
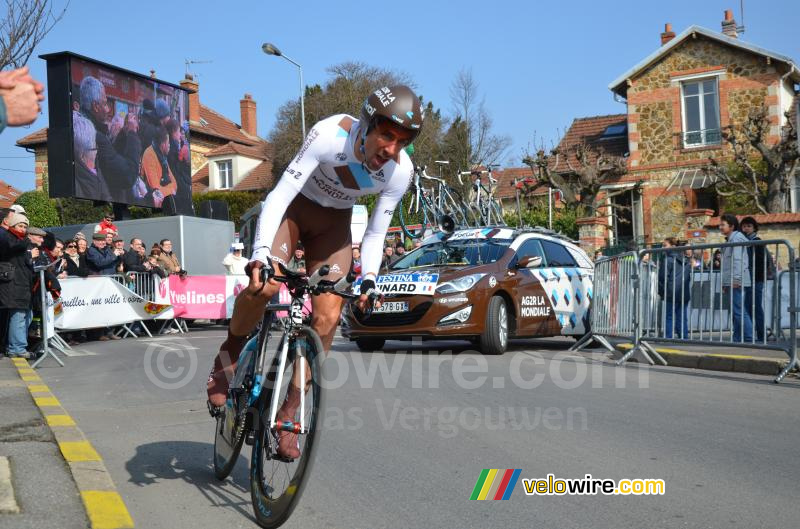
[{"x": 495, "y": 484}]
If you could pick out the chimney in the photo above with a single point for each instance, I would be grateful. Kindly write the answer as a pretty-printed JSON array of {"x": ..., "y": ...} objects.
[
  {"x": 247, "y": 106},
  {"x": 729, "y": 25},
  {"x": 668, "y": 34},
  {"x": 194, "y": 97}
]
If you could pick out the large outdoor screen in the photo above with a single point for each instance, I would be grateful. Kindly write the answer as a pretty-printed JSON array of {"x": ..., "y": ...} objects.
[{"x": 128, "y": 136}]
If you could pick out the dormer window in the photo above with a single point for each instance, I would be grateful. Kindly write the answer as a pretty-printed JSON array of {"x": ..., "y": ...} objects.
[
  {"x": 225, "y": 174},
  {"x": 700, "y": 100}
]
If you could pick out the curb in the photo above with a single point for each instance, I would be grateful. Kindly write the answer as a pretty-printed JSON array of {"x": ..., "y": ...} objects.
[
  {"x": 754, "y": 365},
  {"x": 103, "y": 504}
]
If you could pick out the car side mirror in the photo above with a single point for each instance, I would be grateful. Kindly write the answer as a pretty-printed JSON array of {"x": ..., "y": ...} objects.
[{"x": 529, "y": 262}]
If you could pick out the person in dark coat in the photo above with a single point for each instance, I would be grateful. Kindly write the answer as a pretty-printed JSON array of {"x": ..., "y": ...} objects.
[
  {"x": 179, "y": 164},
  {"x": 118, "y": 169},
  {"x": 101, "y": 259},
  {"x": 16, "y": 277},
  {"x": 760, "y": 261},
  {"x": 88, "y": 183},
  {"x": 674, "y": 287},
  {"x": 76, "y": 262}
]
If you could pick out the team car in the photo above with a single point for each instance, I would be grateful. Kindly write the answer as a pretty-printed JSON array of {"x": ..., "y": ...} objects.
[{"x": 485, "y": 285}]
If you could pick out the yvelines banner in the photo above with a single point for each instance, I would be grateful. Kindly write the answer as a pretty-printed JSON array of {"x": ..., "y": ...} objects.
[
  {"x": 199, "y": 297},
  {"x": 100, "y": 301}
]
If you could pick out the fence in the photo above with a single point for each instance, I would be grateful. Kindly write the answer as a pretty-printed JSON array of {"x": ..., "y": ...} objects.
[{"x": 735, "y": 298}]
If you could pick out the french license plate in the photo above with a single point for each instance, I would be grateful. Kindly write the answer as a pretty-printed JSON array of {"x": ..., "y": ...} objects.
[{"x": 393, "y": 306}]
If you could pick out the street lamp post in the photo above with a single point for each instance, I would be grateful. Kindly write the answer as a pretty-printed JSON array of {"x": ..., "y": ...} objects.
[{"x": 271, "y": 49}]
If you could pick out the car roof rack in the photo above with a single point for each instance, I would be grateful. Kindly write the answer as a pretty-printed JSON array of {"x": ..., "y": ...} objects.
[{"x": 544, "y": 231}]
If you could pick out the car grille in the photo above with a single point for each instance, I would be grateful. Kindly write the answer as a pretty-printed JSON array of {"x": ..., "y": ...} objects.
[{"x": 393, "y": 319}]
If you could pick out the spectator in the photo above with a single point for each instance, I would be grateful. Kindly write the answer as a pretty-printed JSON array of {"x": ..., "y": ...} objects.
[
  {"x": 76, "y": 262},
  {"x": 83, "y": 245},
  {"x": 387, "y": 261},
  {"x": 735, "y": 274},
  {"x": 88, "y": 182},
  {"x": 20, "y": 95},
  {"x": 674, "y": 287},
  {"x": 60, "y": 270},
  {"x": 297, "y": 263},
  {"x": 234, "y": 262},
  {"x": 760, "y": 261},
  {"x": 399, "y": 251},
  {"x": 156, "y": 268},
  {"x": 16, "y": 278},
  {"x": 168, "y": 260},
  {"x": 598, "y": 254},
  {"x": 107, "y": 225},
  {"x": 119, "y": 243},
  {"x": 155, "y": 169},
  {"x": 179, "y": 164},
  {"x": 356, "y": 260},
  {"x": 155, "y": 250},
  {"x": 417, "y": 243},
  {"x": 16, "y": 208},
  {"x": 119, "y": 169},
  {"x": 134, "y": 259},
  {"x": 101, "y": 259}
]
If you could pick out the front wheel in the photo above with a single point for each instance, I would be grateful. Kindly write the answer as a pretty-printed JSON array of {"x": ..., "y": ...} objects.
[
  {"x": 494, "y": 339},
  {"x": 276, "y": 484}
]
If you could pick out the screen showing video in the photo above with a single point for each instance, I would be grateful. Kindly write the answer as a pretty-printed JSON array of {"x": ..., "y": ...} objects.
[{"x": 130, "y": 139}]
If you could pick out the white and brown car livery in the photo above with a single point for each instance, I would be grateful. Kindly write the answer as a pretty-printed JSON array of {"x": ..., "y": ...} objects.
[{"x": 493, "y": 284}]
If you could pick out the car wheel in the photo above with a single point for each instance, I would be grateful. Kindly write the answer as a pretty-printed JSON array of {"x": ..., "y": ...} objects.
[
  {"x": 369, "y": 343},
  {"x": 494, "y": 339}
]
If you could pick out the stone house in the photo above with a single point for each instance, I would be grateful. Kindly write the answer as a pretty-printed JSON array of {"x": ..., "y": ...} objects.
[
  {"x": 225, "y": 154},
  {"x": 679, "y": 99}
]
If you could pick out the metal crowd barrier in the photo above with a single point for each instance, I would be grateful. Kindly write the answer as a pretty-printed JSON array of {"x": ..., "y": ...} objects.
[
  {"x": 615, "y": 307},
  {"x": 686, "y": 295}
]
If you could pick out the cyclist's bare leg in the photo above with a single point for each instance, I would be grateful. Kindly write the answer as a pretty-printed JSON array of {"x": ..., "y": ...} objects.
[{"x": 247, "y": 312}]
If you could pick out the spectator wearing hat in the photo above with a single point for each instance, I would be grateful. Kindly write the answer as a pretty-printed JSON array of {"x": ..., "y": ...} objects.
[
  {"x": 234, "y": 263},
  {"x": 16, "y": 277},
  {"x": 297, "y": 263},
  {"x": 101, "y": 259},
  {"x": 16, "y": 208}
]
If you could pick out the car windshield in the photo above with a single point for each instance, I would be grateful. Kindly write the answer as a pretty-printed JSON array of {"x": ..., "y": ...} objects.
[{"x": 468, "y": 252}]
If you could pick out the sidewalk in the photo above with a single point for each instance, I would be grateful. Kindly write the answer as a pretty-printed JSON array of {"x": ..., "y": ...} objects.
[{"x": 40, "y": 492}]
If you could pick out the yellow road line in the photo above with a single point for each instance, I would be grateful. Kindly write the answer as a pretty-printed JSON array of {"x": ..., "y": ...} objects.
[
  {"x": 46, "y": 401},
  {"x": 59, "y": 420},
  {"x": 31, "y": 378},
  {"x": 106, "y": 510},
  {"x": 38, "y": 388},
  {"x": 78, "y": 451}
]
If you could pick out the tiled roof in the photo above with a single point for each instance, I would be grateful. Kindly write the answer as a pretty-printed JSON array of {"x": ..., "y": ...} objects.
[
  {"x": 505, "y": 180},
  {"x": 215, "y": 124},
  {"x": 200, "y": 180},
  {"x": 620, "y": 86},
  {"x": 259, "y": 179},
  {"x": 772, "y": 218},
  {"x": 35, "y": 138},
  {"x": 590, "y": 130},
  {"x": 259, "y": 152},
  {"x": 8, "y": 194}
]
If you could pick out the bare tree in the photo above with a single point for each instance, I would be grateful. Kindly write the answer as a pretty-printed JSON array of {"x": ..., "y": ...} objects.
[
  {"x": 470, "y": 140},
  {"x": 25, "y": 24},
  {"x": 757, "y": 164},
  {"x": 589, "y": 168}
]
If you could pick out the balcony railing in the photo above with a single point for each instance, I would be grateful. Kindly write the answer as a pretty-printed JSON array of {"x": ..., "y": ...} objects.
[{"x": 700, "y": 138}]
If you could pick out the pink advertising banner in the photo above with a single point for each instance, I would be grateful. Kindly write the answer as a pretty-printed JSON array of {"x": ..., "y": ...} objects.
[{"x": 196, "y": 297}]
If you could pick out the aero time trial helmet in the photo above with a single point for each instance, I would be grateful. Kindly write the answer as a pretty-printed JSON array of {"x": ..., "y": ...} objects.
[{"x": 399, "y": 104}]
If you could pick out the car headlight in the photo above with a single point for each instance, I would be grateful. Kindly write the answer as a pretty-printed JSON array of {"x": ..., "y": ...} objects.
[
  {"x": 460, "y": 316},
  {"x": 462, "y": 284}
]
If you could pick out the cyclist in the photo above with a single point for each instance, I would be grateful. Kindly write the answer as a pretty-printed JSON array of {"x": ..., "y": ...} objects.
[{"x": 341, "y": 159}]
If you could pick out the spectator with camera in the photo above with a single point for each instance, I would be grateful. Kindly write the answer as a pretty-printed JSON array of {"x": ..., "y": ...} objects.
[
  {"x": 16, "y": 276},
  {"x": 168, "y": 260}
]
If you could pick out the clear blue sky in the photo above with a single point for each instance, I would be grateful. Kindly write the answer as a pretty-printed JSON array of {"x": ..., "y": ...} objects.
[{"x": 539, "y": 64}]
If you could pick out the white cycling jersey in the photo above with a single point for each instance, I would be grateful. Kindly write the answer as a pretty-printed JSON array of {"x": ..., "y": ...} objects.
[{"x": 326, "y": 171}]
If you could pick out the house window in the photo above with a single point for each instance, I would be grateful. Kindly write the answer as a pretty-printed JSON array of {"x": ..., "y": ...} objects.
[
  {"x": 701, "y": 113},
  {"x": 707, "y": 198},
  {"x": 225, "y": 170}
]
